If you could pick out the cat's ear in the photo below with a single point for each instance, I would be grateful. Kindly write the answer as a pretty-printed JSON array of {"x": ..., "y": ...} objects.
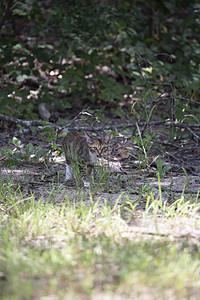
[
  {"x": 107, "y": 138},
  {"x": 88, "y": 137}
]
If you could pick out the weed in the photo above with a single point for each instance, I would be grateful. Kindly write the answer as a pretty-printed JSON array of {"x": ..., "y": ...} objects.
[
  {"x": 181, "y": 206},
  {"x": 21, "y": 153},
  {"x": 160, "y": 169},
  {"x": 144, "y": 145}
]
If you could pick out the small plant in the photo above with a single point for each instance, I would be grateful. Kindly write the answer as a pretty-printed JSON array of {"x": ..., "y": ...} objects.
[
  {"x": 22, "y": 153},
  {"x": 161, "y": 170},
  {"x": 179, "y": 207},
  {"x": 49, "y": 134},
  {"x": 144, "y": 145}
]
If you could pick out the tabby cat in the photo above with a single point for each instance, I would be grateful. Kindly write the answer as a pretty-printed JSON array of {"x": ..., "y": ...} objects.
[{"x": 84, "y": 149}]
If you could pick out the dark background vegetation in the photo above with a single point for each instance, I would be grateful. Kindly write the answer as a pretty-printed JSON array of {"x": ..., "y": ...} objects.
[{"x": 105, "y": 54}]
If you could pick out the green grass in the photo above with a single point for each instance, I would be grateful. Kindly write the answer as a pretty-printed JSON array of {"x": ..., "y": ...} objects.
[{"x": 82, "y": 250}]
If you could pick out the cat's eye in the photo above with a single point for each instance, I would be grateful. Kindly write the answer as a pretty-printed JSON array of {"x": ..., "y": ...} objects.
[{"x": 96, "y": 149}]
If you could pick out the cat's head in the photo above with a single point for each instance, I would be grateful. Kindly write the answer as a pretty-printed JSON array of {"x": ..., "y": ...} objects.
[{"x": 99, "y": 145}]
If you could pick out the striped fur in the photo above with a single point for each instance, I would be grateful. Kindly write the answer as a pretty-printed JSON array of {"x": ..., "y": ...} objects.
[{"x": 84, "y": 149}]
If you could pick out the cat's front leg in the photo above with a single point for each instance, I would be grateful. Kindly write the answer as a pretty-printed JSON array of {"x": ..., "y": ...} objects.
[
  {"x": 89, "y": 170},
  {"x": 69, "y": 172}
]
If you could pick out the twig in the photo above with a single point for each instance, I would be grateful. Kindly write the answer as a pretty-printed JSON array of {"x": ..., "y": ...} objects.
[
  {"x": 193, "y": 133},
  {"x": 167, "y": 98},
  {"x": 167, "y": 188},
  {"x": 169, "y": 144},
  {"x": 188, "y": 99},
  {"x": 177, "y": 236}
]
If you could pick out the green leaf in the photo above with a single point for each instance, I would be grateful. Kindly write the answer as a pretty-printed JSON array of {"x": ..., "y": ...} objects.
[
  {"x": 54, "y": 146},
  {"x": 159, "y": 163},
  {"x": 17, "y": 156},
  {"x": 16, "y": 142},
  {"x": 40, "y": 153},
  {"x": 19, "y": 12},
  {"x": 29, "y": 149},
  {"x": 21, "y": 78},
  {"x": 11, "y": 162},
  {"x": 166, "y": 168},
  {"x": 7, "y": 152},
  {"x": 33, "y": 129}
]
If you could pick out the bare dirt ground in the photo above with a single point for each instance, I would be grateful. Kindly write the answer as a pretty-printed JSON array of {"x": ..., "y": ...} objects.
[
  {"x": 128, "y": 172},
  {"x": 126, "y": 181}
]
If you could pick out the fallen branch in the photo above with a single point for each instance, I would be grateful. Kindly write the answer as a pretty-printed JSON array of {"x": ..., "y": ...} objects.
[
  {"x": 71, "y": 126},
  {"x": 24, "y": 122}
]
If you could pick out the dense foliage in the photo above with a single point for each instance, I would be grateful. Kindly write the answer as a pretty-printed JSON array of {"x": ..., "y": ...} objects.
[{"x": 96, "y": 51}]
